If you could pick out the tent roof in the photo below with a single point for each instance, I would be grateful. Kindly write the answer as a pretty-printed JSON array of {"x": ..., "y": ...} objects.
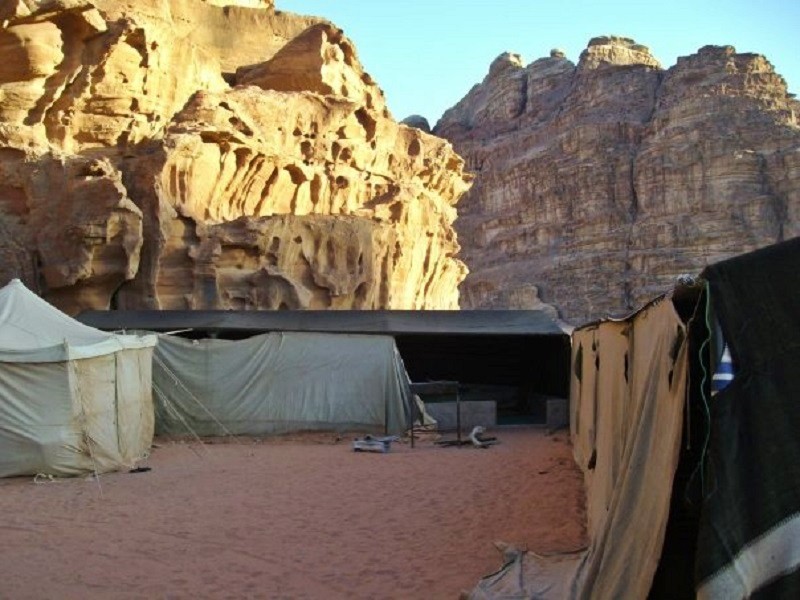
[
  {"x": 389, "y": 322},
  {"x": 31, "y": 330}
]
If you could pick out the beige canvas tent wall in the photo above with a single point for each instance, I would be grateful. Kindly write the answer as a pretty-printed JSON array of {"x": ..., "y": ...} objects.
[
  {"x": 627, "y": 389},
  {"x": 280, "y": 382},
  {"x": 73, "y": 399}
]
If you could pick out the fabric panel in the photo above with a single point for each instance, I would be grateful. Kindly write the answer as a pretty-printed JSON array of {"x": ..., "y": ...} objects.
[
  {"x": 135, "y": 412},
  {"x": 753, "y": 466},
  {"x": 624, "y": 553},
  {"x": 774, "y": 554},
  {"x": 612, "y": 406},
  {"x": 526, "y": 575},
  {"x": 116, "y": 407},
  {"x": 93, "y": 384},
  {"x": 39, "y": 432},
  {"x": 279, "y": 382}
]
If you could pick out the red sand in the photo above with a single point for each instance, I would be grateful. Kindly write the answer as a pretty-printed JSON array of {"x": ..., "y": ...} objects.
[{"x": 304, "y": 517}]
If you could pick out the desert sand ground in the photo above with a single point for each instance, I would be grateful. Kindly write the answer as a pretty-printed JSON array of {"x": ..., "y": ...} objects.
[{"x": 296, "y": 517}]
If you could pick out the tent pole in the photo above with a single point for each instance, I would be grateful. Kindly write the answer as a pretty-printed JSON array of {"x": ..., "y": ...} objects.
[
  {"x": 412, "y": 415},
  {"x": 458, "y": 415}
]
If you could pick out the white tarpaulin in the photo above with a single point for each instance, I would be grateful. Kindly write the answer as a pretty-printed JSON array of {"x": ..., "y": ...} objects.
[
  {"x": 73, "y": 399},
  {"x": 280, "y": 382}
]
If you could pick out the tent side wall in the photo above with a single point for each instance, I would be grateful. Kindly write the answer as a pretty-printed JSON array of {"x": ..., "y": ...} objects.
[
  {"x": 114, "y": 407},
  {"x": 601, "y": 407},
  {"x": 135, "y": 411},
  {"x": 628, "y": 381},
  {"x": 279, "y": 382},
  {"x": 39, "y": 432},
  {"x": 71, "y": 417}
]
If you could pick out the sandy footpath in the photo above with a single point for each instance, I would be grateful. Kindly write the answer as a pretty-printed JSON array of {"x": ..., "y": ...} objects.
[{"x": 303, "y": 517}]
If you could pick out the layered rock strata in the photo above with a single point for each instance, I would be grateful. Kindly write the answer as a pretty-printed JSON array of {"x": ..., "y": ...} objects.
[
  {"x": 150, "y": 158},
  {"x": 598, "y": 184}
]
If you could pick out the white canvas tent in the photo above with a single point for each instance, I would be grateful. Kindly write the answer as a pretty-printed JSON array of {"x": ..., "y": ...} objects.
[
  {"x": 280, "y": 382},
  {"x": 73, "y": 399}
]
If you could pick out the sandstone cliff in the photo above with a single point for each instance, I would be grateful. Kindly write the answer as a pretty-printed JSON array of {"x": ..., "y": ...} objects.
[
  {"x": 204, "y": 154},
  {"x": 597, "y": 184}
]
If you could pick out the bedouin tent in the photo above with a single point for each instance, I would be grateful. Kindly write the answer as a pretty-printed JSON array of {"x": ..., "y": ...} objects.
[
  {"x": 627, "y": 392},
  {"x": 73, "y": 399},
  {"x": 280, "y": 382},
  {"x": 627, "y": 404}
]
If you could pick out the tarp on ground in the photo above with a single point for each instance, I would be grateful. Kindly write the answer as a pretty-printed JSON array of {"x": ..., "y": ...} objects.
[
  {"x": 749, "y": 538},
  {"x": 73, "y": 399},
  {"x": 628, "y": 385},
  {"x": 280, "y": 382}
]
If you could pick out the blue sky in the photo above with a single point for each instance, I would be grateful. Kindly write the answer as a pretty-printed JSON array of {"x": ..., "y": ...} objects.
[{"x": 427, "y": 54}]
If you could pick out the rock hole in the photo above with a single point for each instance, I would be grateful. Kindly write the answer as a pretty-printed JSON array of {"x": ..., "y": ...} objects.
[
  {"x": 367, "y": 122},
  {"x": 330, "y": 251},
  {"x": 342, "y": 182},
  {"x": 361, "y": 294},
  {"x": 414, "y": 148},
  {"x": 296, "y": 173}
]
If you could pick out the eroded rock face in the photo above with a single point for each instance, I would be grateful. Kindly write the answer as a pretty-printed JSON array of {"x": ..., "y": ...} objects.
[
  {"x": 599, "y": 183},
  {"x": 145, "y": 164}
]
